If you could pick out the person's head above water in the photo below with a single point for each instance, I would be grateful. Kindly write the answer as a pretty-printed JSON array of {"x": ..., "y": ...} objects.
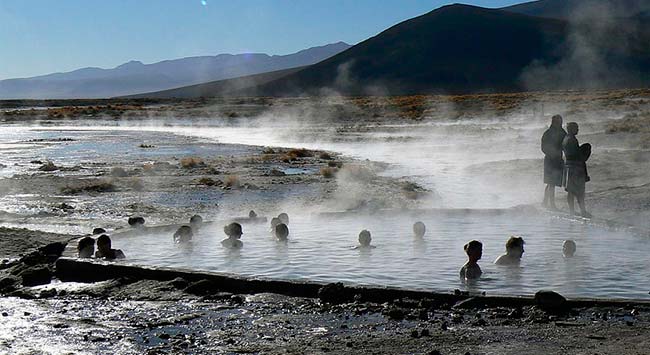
[
  {"x": 365, "y": 238},
  {"x": 419, "y": 229},
  {"x": 556, "y": 121},
  {"x": 572, "y": 128},
  {"x": 284, "y": 218},
  {"x": 86, "y": 247},
  {"x": 281, "y": 232},
  {"x": 568, "y": 248},
  {"x": 103, "y": 243},
  {"x": 196, "y": 220},
  {"x": 515, "y": 246},
  {"x": 474, "y": 250},
  {"x": 136, "y": 221},
  {"x": 274, "y": 222},
  {"x": 252, "y": 214},
  {"x": 183, "y": 234},
  {"x": 233, "y": 230},
  {"x": 98, "y": 231}
]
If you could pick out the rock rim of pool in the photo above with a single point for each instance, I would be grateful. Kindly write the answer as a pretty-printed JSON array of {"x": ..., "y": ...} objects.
[{"x": 80, "y": 270}]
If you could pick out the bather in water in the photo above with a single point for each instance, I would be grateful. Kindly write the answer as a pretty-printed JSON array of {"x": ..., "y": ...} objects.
[
  {"x": 284, "y": 218},
  {"x": 568, "y": 248},
  {"x": 419, "y": 229},
  {"x": 183, "y": 234},
  {"x": 86, "y": 247},
  {"x": 274, "y": 222},
  {"x": 471, "y": 270},
  {"x": 105, "y": 251},
  {"x": 98, "y": 231},
  {"x": 364, "y": 240},
  {"x": 281, "y": 232},
  {"x": 514, "y": 252},
  {"x": 234, "y": 233},
  {"x": 136, "y": 222},
  {"x": 196, "y": 222}
]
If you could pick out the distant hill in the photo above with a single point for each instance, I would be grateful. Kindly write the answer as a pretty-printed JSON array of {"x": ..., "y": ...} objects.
[
  {"x": 135, "y": 77},
  {"x": 569, "y": 9},
  {"x": 225, "y": 87}
]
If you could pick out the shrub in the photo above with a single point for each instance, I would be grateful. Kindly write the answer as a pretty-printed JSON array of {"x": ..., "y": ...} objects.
[
  {"x": 192, "y": 162},
  {"x": 232, "y": 181},
  {"x": 146, "y": 146},
  {"x": 328, "y": 172},
  {"x": 325, "y": 156},
  {"x": 209, "y": 181},
  {"x": 301, "y": 153}
]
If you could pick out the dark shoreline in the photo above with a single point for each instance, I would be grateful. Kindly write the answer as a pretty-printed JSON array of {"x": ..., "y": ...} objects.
[{"x": 78, "y": 270}]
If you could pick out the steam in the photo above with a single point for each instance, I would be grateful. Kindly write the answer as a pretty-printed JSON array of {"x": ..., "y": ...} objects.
[{"x": 596, "y": 53}]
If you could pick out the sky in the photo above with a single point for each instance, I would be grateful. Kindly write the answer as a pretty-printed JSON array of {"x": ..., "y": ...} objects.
[{"x": 45, "y": 36}]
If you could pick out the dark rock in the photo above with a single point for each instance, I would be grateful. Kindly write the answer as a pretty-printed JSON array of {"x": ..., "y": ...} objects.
[
  {"x": 5, "y": 314},
  {"x": 425, "y": 332},
  {"x": 516, "y": 313},
  {"x": 423, "y": 314},
  {"x": 434, "y": 352},
  {"x": 470, "y": 303},
  {"x": 164, "y": 336},
  {"x": 551, "y": 302},
  {"x": 179, "y": 283},
  {"x": 396, "y": 313},
  {"x": 49, "y": 293},
  {"x": 415, "y": 334},
  {"x": 334, "y": 293},
  {"x": 53, "y": 249},
  {"x": 237, "y": 299},
  {"x": 9, "y": 284},
  {"x": 202, "y": 288},
  {"x": 35, "y": 276}
]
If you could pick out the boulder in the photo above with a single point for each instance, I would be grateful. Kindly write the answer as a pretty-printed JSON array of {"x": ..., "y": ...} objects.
[
  {"x": 34, "y": 276},
  {"x": 551, "y": 302},
  {"x": 334, "y": 293}
]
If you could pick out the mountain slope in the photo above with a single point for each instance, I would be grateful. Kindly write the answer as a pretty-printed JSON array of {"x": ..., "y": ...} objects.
[
  {"x": 218, "y": 88},
  {"x": 569, "y": 9},
  {"x": 135, "y": 77},
  {"x": 456, "y": 48}
]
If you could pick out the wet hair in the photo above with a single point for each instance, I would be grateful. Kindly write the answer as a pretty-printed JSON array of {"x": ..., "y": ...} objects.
[
  {"x": 104, "y": 240},
  {"x": 364, "y": 237},
  {"x": 233, "y": 229},
  {"x": 196, "y": 219},
  {"x": 85, "y": 242},
  {"x": 419, "y": 229},
  {"x": 252, "y": 214},
  {"x": 99, "y": 231},
  {"x": 473, "y": 245},
  {"x": 284, "y": 218},
  {"x": 275, "y": 221},
  {"x": 136, "y": 221},
  {"x": 281, "y": 231},
  {"x": 183, "y": 234},
  {"x": 569, "y": 247},
  {"x": 515, "y": 242}
]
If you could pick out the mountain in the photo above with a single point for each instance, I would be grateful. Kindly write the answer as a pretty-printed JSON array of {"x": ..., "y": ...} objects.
[
  {"x": 135, "y": 77},
  {"x": 454, "y": 49},
  {"x": 218, "y": 88},
  {"x": 570, "y": 9}
]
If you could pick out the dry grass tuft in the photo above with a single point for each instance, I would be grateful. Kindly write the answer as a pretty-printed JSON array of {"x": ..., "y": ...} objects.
[
  {"x": 232, "y": 181},
  {"x": 328, "y": 172},
  {"x": 192, "y": 162}
]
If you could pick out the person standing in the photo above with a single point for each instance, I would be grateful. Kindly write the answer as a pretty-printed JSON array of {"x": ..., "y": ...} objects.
[
  {"x": 553, "y": 162},
  {"x": 575, "y": 175}
]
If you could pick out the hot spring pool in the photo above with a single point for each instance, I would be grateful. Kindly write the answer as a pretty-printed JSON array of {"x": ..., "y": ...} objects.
[{"x": 608, "y": 263}]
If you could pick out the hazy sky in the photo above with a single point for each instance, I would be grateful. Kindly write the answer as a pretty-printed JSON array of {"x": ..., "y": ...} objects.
[{"x": 44, "y": 36}]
